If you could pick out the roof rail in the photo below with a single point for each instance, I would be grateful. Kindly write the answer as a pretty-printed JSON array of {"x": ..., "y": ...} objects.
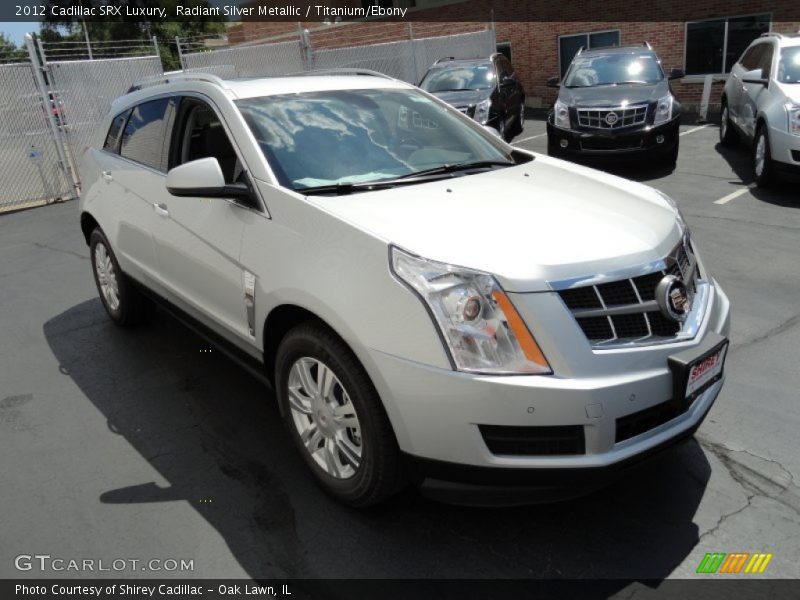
[
  {"x": 580, "y": 51},
  {"x": 444, "y": 58},
  {"x": 173, "y": 77},
  {"x": 647, "y": 45},
  {"x": 343, "y": 71},
  {"x": 772, "y": 34}
]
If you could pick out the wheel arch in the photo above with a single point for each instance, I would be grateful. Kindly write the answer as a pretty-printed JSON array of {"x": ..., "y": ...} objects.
[
  {"x": 284, "y": 317},
  {"x": 88, "y": 224}
]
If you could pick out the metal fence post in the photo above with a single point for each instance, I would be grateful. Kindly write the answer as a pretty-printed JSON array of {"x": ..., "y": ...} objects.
[
  {"x": 413, "y": 46},
  {"x": 38, "y": 65},
  {"x": 180, "y": 52},
  {"x": 155, "y": 45}
]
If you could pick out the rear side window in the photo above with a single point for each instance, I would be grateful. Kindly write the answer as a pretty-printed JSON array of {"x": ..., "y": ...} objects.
[
  {"x": 112, "y": 139},
  {"x": 143, "y": 136},
  {"x": 751, "y": 58}
]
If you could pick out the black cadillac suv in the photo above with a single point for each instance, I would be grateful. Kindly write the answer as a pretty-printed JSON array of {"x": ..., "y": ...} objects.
[
  {"x": 615, "y": 102},
  {"x": 486, "y": 89}
]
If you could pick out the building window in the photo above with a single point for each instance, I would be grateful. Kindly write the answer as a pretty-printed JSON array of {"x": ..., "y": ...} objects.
[
  {"x": 568, "y": 45},
  {"x": 504, "y": 48},
  {"x": 713, "y": 46}
]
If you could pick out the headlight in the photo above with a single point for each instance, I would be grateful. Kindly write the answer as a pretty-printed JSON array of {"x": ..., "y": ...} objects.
[
  {"x": 482, "y": 111},
  {"x": 793, "y": 112},
  {"x": 664, "y": 110},
  {"x": 561, "y": 115},
  {"x": 480, "y": 327}
]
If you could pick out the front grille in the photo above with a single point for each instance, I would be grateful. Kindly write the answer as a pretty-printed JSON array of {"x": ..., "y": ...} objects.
[
  {"x": 640, "y": 422},
  {"x": 612, "y": 118},
  {"x": 600, "y": 143},
  {"x": 534, "y": 441},
  {"x": 625, "y": 310}
]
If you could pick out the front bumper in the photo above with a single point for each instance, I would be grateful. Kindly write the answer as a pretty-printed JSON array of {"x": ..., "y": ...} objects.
[
  {"x": 785, "y": 150},
  {"x": 437, "y": 413},
  {"x": 626, "y": 141}
]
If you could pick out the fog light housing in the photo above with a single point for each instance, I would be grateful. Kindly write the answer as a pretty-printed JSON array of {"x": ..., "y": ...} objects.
[
  {"x": 563, "y": 143},
  {"x": 659, "y": 139}
]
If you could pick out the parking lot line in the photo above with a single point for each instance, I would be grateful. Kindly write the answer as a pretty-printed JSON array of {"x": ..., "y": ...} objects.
[
  {"x": 532, "y": 137},
  {"x": 688, "y": 131},
  {"x": 736, "y": 194}
]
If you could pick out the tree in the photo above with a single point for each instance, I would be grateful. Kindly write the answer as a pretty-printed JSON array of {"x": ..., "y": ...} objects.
[
  {"x": 9, "y": 50},
  {"x": 128, "y": 28}
]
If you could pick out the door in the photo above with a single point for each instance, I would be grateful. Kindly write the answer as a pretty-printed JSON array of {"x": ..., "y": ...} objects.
[
  {"x": 130, "y": 170},
  {"x": 747, "y": 62},
  {"x": 198, "y": 240},
  {"x": 756, "y": 94}
]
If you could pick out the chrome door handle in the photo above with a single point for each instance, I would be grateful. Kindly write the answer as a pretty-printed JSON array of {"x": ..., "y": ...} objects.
[
  {"x": 161, "y": 209},
  {"x": 107, "y": 176}
]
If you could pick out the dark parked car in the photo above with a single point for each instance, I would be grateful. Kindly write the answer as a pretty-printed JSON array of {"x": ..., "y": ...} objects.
[
  {"x": 486, "y": 89},
  {"x": 615, "y": 102}
]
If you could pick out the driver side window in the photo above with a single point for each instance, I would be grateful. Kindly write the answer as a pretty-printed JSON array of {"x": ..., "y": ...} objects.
[{"x": 199, "y": 133}]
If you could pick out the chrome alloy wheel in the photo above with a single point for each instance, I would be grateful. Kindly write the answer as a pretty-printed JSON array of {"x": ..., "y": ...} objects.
[
  {"x": 106, "y": 276},
  {"x": 761, "y": 155},
  {"x": 325, "y": 417},
  {"x": 723, "y": 126}
]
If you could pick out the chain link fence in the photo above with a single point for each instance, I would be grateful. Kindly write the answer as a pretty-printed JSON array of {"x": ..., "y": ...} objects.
[
  {"x": 391, "y": 48},
  {"x": 31, "y": 170}
]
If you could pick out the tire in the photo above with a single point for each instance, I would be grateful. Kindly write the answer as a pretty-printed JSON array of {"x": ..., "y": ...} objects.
[
  {"x": 123, "y": 302},
  {"x": 349, "y": 444},
  {"x": 519, "y": 121},
  {"x": 763, "y": 169},
  {"x": 727, "y": 134},
  {"x": 671, "y": 158}
]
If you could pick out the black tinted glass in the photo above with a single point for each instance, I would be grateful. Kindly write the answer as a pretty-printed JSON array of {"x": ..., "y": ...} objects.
[
  {"x": 112, "y": 139},
  {"x": 143, "y": 137},
  {"x": 741, "y": 32},
  {"x": 704, "y": 43}
]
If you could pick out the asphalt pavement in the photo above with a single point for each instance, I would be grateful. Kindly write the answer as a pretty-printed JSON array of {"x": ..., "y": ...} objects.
[{"x": 150, "y": 444}]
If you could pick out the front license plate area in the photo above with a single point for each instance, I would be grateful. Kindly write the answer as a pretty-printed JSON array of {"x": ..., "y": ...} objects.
[{"x": 693, "y": 372}]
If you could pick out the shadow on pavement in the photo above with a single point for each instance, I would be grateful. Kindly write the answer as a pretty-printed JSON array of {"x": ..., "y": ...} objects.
[{"x": 214, "y": 433}]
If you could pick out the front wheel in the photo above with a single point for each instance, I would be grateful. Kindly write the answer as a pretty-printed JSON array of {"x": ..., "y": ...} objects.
[
  {"x": 335, "y": 417},
  {"x": 727, "y": 134},
  {"x": 763, "y": 168}
]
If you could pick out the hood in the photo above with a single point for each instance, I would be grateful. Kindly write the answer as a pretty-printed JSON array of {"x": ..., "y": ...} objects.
[
  {"x": 546, "y": 220},
  {"x": 463, "y": 97},
  {"x": 613, "y": 95}
]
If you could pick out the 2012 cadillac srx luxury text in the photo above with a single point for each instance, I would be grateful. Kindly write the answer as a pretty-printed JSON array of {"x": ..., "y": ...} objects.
[{"x": 431, "y": 304}]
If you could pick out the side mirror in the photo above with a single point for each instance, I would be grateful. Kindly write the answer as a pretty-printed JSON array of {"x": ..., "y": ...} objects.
[
  {"x": 492, "y": 130},
  {"x": 203, "y": 178},
  {"x": 507, "y": 82},
  {"x": 676, "y": 74},
  {"x": 755, "y": 76},
  {"x": 553, "y": 82}
]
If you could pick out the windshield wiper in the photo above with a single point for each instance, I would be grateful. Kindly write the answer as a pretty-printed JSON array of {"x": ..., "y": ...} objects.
[
  {"x": 343, "y": 188},
  {"x": 452, "y": 168}
]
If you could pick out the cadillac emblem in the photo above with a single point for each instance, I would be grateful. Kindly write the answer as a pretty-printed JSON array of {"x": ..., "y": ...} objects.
[
  {"x": 673, "y": 299},
  {"x": 611, "y": 118}
]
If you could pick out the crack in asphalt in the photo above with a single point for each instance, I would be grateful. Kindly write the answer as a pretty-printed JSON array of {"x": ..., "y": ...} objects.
[
  {"x": 743, "y": 221},
  {"x": 60, "y": 250},
  {"x": 778, "y": 329},
  {"x": 754, "y": 483}
]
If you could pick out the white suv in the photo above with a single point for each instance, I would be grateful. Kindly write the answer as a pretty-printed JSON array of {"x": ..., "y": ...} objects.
[
  {"x": 761, "y": 103},
  {"x": 431, "y": 304}
]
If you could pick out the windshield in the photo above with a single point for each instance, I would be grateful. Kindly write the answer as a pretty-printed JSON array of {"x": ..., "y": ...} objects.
[
  {"x": 789, "y": 67},
  {"x": 613, "y": 69},
  {"x": 355, "y": 136},
  {"x": 459, "y": 77}
]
